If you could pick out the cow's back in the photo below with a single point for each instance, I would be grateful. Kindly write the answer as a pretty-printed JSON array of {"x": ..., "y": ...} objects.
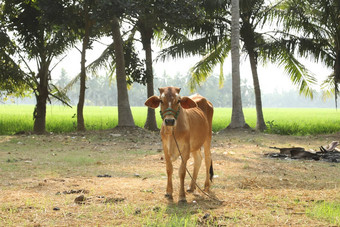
[{"x": 206, "y": 107}]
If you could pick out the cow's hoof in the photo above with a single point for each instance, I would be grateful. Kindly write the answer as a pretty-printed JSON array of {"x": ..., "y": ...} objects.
[
  {"x": 190, "y": 190},
  {"x": 168, "y": 196},
  {"x": 182, "y": 201}
]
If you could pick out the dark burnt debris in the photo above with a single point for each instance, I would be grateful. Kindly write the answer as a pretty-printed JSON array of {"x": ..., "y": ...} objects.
[{"x": 328, "y": 153}]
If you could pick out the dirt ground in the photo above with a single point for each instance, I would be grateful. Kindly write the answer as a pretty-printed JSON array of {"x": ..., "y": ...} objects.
[{"x": 118, "y": 177}]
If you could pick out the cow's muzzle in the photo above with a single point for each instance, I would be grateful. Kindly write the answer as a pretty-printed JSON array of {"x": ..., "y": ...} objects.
[
  {"x": 169, "y": 111},
  {"x": 169, "y": 122}
]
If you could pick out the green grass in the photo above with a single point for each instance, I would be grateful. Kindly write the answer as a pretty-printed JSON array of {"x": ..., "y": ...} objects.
[
  {"x": 170, "y": 216},
  {"x": 329, "y": 211},
  {"x": 285, "y": 121}
]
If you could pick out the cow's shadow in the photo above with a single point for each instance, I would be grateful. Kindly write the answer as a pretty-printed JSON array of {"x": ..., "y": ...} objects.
[{"x": 195, "y": 205}]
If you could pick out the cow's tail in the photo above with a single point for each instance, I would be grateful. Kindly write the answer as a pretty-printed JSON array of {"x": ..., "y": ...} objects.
[{"x": 211, "y": 172}]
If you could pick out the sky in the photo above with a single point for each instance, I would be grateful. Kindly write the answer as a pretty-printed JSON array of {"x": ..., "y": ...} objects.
[{"x": 271, "y": 77}]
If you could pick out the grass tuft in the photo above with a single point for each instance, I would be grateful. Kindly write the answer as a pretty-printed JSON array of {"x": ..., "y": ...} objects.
[{"x": 329, "y": 211}]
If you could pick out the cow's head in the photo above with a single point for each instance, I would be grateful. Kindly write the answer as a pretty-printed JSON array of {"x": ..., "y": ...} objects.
[{"x": 170, "y": 102}]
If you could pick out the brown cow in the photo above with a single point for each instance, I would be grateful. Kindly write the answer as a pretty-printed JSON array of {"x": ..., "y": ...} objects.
[{"x": 189, "y": 120}]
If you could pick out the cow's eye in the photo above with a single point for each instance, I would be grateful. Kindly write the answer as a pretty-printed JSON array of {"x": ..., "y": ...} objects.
[{"x": 178, "y": 101}]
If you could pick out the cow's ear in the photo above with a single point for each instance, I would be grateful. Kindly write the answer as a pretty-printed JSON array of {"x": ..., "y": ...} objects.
[
  {"x": 153, "y": 102},
  {"x": 187, "y": 103},
  {"x": 161, "y": 90},
  {"x": 177, "y": 89}
]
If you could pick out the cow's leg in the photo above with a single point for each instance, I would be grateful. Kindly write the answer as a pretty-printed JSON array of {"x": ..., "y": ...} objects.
[
  {"x": 197, "y": 164},
  {"x": 169, "y": 171},
  {"x": 208, "y": 165},
  {"x": 182, "y": 172}
]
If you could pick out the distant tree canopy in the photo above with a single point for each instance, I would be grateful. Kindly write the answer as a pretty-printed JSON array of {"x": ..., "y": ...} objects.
[{"x": 100, "y": 92}]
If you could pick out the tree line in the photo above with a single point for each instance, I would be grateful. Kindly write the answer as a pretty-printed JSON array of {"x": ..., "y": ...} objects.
[
  {"x": 41, "y": 31},
  {"x": 101, "y": 92}
]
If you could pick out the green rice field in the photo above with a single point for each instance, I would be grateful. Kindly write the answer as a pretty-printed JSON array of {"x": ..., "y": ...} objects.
[{"x": 285, "y": 121}]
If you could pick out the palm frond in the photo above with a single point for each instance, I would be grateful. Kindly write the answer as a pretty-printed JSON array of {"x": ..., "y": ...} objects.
[
  {"x": 281, "y": 52},
  {"x": 103, "y": 60},
  {"x": 299, "y": 74},
  {"x": 169, "y": 35},
  {"x": 194, "y": 47},
  {"x": 69, "y": 86},
  {"x": 206, "y": 65},
  {"x": 269, "y": 13},
  {"x": 320, "y": 49},
  {"x": 60, "y": 94},
  {"x": 221, "y": 77},
  {"x": 328, "y": 87}
]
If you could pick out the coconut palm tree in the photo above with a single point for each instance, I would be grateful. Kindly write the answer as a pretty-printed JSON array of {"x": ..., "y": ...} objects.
[
  {"x": 237, "y": 116},
  {"x": 114, "y": 10},
  {"x": 259, "y": 45},
  {"x": 315, "y": 24},
  {"x": 86, "y": 31},
  {"x": 125, "y": 117},
  {"x": 160, "y": 19},
  {"x": 249, "y": 23}
]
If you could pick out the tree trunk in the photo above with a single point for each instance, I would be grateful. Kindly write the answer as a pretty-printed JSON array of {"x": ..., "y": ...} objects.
[
  {"x": 150, "y": 123},
  {"x": 81, "y": 101},
  {"x": 124, "y": 112},
  {"x": 337, "y": 76},
  {"x": 39, "y": 114},
  {"x": 260, "y": 124},
  {"x": 237, "y": 117}
]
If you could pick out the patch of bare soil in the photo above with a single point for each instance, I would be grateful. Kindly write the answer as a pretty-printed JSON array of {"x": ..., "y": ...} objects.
[{"x": 129, "y": 188}]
